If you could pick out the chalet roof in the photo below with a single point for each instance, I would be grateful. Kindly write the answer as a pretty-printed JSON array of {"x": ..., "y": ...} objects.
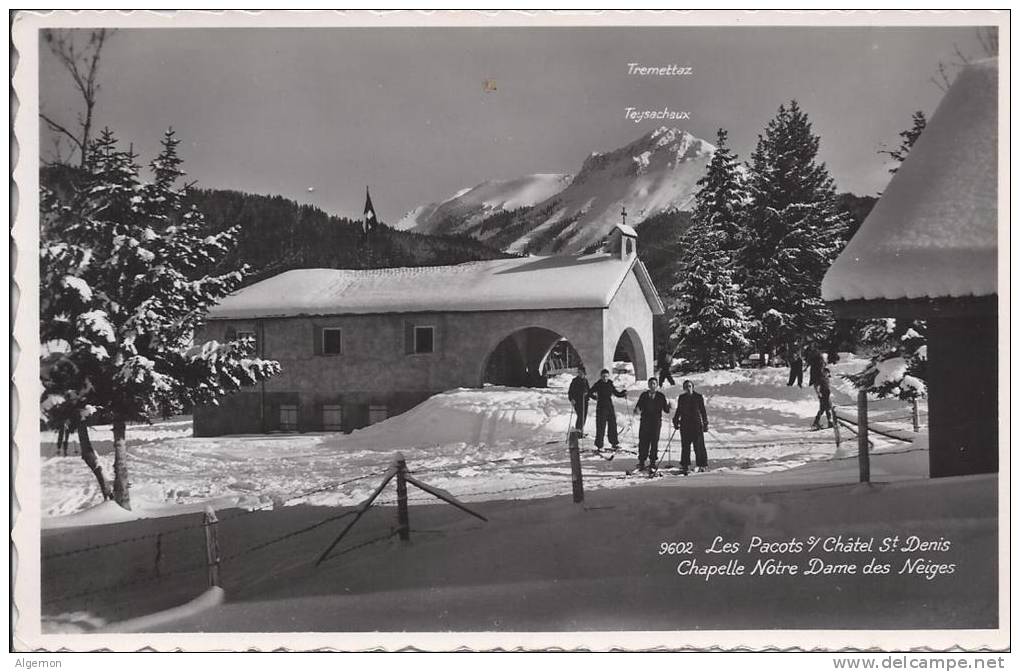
[
  {"x": 933, "y": 233},
  {"x": 529, "y": 283}
]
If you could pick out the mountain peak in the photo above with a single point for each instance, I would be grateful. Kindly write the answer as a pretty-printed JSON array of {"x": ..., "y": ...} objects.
[
  {"x": 664, "y": 148},
  {"x": 657, "y": 172},
  {"x": 672, "y": 139}
]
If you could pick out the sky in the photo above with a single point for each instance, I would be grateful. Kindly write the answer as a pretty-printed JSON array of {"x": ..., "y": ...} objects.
[{"x": 318, "y": 114}]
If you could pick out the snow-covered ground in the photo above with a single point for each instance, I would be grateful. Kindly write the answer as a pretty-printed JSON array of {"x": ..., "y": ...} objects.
[
  {"x": 480, "y": 444},
  {"x": 540, "y": 562}
]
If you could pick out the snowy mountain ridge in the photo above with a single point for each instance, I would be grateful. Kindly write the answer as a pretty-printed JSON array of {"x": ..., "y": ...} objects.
[
  {"x": 543, "y": 213},
  {"x": 472, "y": 205}
]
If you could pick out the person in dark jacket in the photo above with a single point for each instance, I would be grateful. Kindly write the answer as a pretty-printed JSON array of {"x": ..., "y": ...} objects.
[
  {"x": 603, "y": 392},
  {"x": 652, "y": 404},
  {"x": 796, "y": 370},
  {"x": 824, "y": 400},
  {"x": 578, "y": 395},
  {"x": 665, "y": 364},
  {"x": 816, "y": 362},
  {"x": 692, "y": 421}
]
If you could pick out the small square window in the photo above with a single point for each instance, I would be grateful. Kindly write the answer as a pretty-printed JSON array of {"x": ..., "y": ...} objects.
[
  {"x": 424, "y": 340},
  {"x": 332, "y": 418},
  {"x": 377, "y": 413},
  {"x": 332, "y": 341},
  {"x": 288, "y": 417},
  {"x": 242, "y": 335}
]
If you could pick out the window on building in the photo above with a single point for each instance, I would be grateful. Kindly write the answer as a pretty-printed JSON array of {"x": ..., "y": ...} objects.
[
  {"x": 424, "y": 340},
  {"x": 288, "y": 417},
  {"x": 332, "y": 418},
  {"x": 241, "y": 335},
  {"x": 332, "y": 341},
  {"x": 377, "y": 413}
]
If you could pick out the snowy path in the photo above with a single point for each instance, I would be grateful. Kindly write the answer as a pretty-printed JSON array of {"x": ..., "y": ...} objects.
[{"x": 480, "y": 444}]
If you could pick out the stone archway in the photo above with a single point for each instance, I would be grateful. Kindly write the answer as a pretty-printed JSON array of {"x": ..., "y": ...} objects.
[
  {"x": 520, "y": 359},
  {"x": 629, "y": 348}
]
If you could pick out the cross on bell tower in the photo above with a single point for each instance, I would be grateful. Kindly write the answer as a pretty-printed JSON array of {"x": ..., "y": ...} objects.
[{"x": 623, "y": 213}]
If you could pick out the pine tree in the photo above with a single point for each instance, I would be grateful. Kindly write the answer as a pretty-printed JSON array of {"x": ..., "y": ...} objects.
[
  {"x": 709, "y": 318},
  {"x": 121, "y": 296},
  {"x": 793, "y": 232},
  {"x": 899, "y": 367}
]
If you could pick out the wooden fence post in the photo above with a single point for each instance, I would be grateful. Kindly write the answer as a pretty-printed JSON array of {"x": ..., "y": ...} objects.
[
  {"x": 403, "y": 518},
  {"x": 575, "y": 464},
  {"x": 914, "y": 417},
  {"x": 159, "y": 552},
  {"x": 212, "y": 546},
  {"x": 862, "y": 436}
]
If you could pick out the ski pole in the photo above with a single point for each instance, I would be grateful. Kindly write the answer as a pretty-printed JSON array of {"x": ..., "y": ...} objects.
[
  {"x": 630, "y": 412},
  {"x": 569, "y": 422},
  {"x": 669, "y": 455}
]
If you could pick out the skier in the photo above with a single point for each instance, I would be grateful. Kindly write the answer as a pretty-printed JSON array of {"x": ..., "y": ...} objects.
[
  {"x": 578, "y": 395},
  {"x": 816, "y": 362},
  {"x": 665, "y": 364},
  {"x": 692, "y": 421},
  {"x": 796, "y": 370},
  {"x": 603, "y": 392},
  {"x": 824, "y": 400},
  {"x": 652, "y": 404}
]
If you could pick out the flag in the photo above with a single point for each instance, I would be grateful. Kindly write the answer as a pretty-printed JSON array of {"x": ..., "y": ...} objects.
[{"x": 370, "y": 220}]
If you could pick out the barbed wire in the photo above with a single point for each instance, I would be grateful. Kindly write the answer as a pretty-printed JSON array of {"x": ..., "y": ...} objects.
[
  {"x": 200, "y": 525},
  {"x": 369, "y": 542},
  {"x": 118, "y": 542},
  {"x": 391, "y": 502},
  {"x": 195, "y": 568},
  {"x": 284, "y": 537},
  {"x": 125, "y": 584}
]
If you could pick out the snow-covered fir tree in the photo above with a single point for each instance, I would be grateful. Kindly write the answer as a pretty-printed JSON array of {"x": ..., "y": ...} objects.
[
  {"x": 793, "y": 231},
  {"x": 899, "y": 365},
  {"x": 709, "y": 318},
  {"x": 722, "y": 198},
  {"x": 121, "y": 295}
]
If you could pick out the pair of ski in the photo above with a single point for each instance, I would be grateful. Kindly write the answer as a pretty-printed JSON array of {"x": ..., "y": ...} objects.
[
  {"x": 607, "y": 454},
  {"x": 653, "y": 473}
]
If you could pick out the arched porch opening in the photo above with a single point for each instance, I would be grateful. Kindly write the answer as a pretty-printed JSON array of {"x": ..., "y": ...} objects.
[
  {"x": 528, "y": 356},
  {"x": 629, "y": 348}
]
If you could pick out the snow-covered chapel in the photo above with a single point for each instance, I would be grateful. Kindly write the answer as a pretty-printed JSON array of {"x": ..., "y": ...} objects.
[{"x": 356, "y": 346}]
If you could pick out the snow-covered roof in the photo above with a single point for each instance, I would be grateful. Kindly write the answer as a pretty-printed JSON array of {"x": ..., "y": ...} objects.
[
  {"x": 627, "y": 230},
  {"x": 933, "y": 233},
  {"x": 529, "y": 283}
]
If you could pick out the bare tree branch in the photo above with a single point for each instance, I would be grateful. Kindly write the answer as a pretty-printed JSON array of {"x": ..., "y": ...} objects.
[
  {"x": 83, "y": 67},
  {"x": 943, "y": 80},
  {"x": 989, "y": 39},
  {"x": 60, "y": 129},
  {"x": 959, "y": 54}
]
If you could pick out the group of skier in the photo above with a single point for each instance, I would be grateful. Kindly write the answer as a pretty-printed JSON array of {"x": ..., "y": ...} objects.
[
  {"x": 690, "y": 419},
  {"x": 818, "y": 379}
]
